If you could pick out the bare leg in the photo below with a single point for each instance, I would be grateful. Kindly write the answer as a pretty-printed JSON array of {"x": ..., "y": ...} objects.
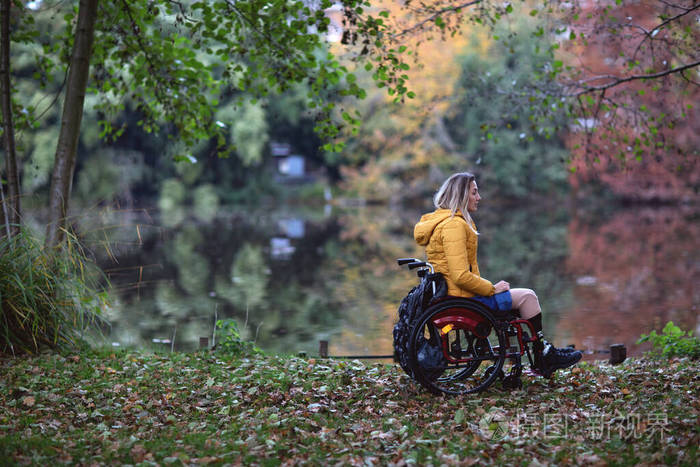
[{"x": 526, "y": 302}]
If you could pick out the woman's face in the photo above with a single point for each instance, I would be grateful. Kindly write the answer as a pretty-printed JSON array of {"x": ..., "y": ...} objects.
[{"x": 474, "y": 197}]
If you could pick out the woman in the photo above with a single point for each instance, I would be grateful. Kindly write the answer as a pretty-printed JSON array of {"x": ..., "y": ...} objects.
[{"x": 450, "y": 238}]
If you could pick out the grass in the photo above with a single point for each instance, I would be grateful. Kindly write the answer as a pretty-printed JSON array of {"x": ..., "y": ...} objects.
[
  {"x": 124, "y": 407},
  {"x": 48, "y": 298}
]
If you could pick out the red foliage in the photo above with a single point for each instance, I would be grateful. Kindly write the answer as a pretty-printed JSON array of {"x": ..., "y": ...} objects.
[{"x": 646, "y": 138}]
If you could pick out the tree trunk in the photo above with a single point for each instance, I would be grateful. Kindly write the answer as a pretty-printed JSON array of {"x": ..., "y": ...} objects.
[
  {"x": 66, "y": 150},
  {"x": 11, "y": 202}
]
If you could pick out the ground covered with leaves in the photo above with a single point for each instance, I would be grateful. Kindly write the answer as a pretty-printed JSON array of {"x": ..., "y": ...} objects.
[{"x": 127, "y": 407}]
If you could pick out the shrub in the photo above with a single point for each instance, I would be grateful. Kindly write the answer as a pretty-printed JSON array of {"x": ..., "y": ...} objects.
[
  {"x": 48, "y": 298},
  {"x": 228, "y": 339},
  {"x": 672, "y": 342}
]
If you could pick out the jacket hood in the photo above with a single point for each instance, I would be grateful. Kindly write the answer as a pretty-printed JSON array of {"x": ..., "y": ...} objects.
[{"x": 427, "y": 223}]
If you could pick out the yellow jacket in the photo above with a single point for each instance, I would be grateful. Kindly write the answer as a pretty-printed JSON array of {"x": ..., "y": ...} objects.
[{"x": 450, "y": 245}]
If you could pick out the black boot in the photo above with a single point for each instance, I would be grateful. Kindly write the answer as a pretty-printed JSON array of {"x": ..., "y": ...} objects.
[
  {"x": 536, "y": 322},
  {"x": 547, "y": 358},
  {"x": 538, "y": 350},
  {"x": 553, "y": 359}
]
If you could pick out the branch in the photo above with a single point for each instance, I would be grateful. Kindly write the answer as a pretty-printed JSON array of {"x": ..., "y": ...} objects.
[
  {"x": 55, "y": 98},
  {"x": 675, "y": 18},
  {"x": 183, "y": 11},
  {"x": 689, "y": 80},
  {"x": 137, "y": 35},
  {"x": 601, "y": 98},
  {"x": 161, "y": 82},
  {"x": 651, "y": 33},
  {"x": 673, "y": 5},
  {"x": 617, "y": 81},
  {"x": 435, "y": 15},
  {"x": 267, "y": 36},
  {"x": 662, "y": 24}
]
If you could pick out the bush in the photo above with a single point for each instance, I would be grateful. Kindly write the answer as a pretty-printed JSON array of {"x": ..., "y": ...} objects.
[
  {"x": 48, "y": 298},
  {"x": 672, "y": 342},
  {"x": 229, "y": 340}
]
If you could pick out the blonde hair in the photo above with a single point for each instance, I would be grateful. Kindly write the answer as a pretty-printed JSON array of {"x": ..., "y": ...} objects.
[{"x": 454, "y": 195}]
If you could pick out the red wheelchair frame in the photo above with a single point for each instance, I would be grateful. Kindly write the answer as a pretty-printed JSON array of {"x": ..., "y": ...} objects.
[{"x": 459, "y": 345}]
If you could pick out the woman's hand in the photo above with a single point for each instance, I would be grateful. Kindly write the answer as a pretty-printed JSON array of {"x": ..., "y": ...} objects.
[{"x": 501, "y": 286}]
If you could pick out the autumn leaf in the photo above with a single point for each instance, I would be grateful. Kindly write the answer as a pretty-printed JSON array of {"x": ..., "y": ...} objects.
[
  {"x": 459, "y": 416},
  {"x": 333, "y": 413}
]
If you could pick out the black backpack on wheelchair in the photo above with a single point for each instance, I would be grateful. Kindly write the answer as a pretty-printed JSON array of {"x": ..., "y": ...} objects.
[{"x": 431, "y": 288}]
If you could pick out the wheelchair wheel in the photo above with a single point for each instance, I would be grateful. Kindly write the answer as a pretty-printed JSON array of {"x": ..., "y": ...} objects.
[{"x": 455, "y": 347}]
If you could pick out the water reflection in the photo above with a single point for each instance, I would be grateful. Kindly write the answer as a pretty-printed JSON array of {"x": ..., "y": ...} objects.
[
  {"x": 294, "y": 277},
  {"x": 635, "y": 271}
]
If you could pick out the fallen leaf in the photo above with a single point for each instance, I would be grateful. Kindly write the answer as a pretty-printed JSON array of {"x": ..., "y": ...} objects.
[
  {"x": 138, "y": 452},
  {"x": 459, "y": 416}
]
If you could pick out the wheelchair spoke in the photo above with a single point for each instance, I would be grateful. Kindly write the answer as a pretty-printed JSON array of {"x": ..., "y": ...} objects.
[{"x": 456, "y": 348}]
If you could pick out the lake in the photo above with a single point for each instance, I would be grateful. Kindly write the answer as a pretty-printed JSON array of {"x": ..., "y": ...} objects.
[{"x": 294, "y": 275}]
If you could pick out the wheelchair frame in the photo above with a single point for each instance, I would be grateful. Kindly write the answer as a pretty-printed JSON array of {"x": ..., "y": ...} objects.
[{"x": 459, "y": 345}]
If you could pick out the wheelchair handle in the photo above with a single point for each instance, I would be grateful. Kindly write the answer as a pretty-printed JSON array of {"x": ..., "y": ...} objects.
[
  {"x": 424, "y": 266},
  {"x": 414, "y": 263}
]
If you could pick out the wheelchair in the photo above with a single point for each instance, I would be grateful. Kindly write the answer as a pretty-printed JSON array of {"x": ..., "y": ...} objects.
[{"x": 454, "y": 345}]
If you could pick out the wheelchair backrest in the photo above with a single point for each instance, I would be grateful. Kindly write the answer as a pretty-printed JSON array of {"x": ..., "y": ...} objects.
[{"x": 432, "y": 287}]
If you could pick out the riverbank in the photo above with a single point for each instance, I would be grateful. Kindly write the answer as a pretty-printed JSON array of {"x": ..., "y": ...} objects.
[{"x": 127, "y": 407}]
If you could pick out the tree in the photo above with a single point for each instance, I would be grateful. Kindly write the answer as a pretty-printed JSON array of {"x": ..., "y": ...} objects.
[
  {"x": 618, "y": 53},
  {"x": 637, "y": 130},
  {"x": 146, "y": 50},
  {"x": 619, "y": 78},
  {"x": 11, "y": 208},
  {"x": 650, "y": 41},
  {"x": 490, "y": 127},
  {"x": 66, "y": 150},
  {"x": 468, "y": 111}
]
